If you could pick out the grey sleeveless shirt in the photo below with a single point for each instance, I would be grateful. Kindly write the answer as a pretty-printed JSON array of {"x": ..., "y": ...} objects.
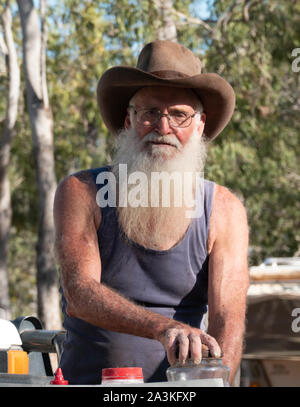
[{"x": 173, "y": 283}]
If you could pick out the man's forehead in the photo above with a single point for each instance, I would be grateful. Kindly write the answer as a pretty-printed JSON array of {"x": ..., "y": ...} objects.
[{"x": 165, "y": 94}]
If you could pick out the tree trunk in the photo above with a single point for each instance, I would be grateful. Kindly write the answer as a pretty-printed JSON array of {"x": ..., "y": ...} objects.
[
  {"x": 41, "y": 124},
  {"x": 167, "y": 28},
  {"x": 7, "y": 136}
]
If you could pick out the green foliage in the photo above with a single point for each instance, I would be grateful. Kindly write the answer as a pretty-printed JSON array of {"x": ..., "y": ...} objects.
[
  {"x": 257, "y": 155},
  {"x": 23, "y": 178},
  {"x": 22, "y": 278},
  {"x": 75, "y": 62}
]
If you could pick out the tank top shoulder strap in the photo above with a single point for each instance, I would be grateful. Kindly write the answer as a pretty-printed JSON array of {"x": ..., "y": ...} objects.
[
  {"x": 100, "y": 182},
  {"x": 95, "y": 172},
  {"x": 209, "y": 187},
  {"x": 204, "y": 202}
]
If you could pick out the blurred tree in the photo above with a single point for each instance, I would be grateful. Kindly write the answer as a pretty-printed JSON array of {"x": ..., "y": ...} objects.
[
  {"x": 8, "y": 133},
  {"x": 76, "y": 59},
  {"x": 166, "y": 26},
  {"x": 34, "y": 47}
]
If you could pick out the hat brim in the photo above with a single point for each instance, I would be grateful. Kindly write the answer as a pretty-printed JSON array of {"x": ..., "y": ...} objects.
[{"x": 118, "y": 84}]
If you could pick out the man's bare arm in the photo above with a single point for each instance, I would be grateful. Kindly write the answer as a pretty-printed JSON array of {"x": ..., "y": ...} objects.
[
  {"x": 228, "y": 276},
  {"x": 77, "y": 218}
]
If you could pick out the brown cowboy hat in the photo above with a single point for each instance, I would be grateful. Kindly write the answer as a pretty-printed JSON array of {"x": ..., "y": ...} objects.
[{"x": 165, "y": 63}]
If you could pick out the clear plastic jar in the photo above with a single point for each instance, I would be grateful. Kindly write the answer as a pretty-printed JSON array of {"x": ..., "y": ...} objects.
[{"x": 209, "y": 368}]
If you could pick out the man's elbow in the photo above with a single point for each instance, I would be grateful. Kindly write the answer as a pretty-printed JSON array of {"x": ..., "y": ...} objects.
[{"x": 70, "y": 292}]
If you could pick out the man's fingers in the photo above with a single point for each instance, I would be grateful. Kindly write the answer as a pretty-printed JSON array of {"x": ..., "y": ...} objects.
[
  {"x": 171, "y": 346},
  {"x": 176, "y": 343},
  {"x": 195, "y": 346},
  {"x": 212, "y": 345},
  {"x": 183, "y": 343}
]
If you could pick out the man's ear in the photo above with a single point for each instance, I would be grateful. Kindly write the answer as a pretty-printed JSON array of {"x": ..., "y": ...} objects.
[
  {"x": 202, "y": 123},
  {"x": 127, "y": 122}
]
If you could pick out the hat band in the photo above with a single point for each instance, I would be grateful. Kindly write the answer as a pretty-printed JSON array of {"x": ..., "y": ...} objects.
[{"x": 169, "y": 74}]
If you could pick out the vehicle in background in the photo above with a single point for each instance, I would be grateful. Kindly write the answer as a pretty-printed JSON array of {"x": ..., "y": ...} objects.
[{"x": 272, "y": 342}]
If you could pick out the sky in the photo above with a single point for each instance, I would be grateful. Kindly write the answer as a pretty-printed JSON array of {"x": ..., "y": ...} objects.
[{"x": 201, "y": 8}]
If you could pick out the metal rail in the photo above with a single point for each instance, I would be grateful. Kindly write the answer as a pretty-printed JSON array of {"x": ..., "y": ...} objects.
[{"x": 41, "y": 340}]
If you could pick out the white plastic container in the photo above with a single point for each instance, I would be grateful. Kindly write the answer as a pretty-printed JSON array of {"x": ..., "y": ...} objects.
[{"x": 122, "y": 375}]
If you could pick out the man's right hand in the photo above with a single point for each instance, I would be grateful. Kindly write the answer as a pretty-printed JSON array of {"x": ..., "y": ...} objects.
[{"x": 183, "y": 343}]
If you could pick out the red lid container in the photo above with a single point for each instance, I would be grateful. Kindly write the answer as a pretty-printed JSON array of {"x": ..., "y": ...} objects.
[{"x": 122, "y": 373}]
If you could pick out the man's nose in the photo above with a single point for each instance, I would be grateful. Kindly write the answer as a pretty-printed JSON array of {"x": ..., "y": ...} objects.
[{"x": 163, "y": 125}]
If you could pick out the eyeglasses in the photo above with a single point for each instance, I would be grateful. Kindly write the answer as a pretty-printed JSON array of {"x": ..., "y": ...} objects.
[{"x": 150, "y": 117}]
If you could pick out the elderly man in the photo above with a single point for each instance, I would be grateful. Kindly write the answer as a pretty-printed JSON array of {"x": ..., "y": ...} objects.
[{"x": 138, "y": 279}]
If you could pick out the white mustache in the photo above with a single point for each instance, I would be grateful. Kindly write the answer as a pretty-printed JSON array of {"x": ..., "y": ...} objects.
[{"x": 156, "y": 138}]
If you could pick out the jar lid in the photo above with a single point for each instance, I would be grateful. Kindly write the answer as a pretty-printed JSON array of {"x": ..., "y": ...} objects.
[{"x": 122, "y": 373}]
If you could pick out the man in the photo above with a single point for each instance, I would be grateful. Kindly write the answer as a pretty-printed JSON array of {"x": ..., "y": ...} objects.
[{"x": 138, "y": 276}]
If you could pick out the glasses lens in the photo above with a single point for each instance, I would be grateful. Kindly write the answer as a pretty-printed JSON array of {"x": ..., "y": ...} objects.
[
  {"x": 180, "y": 119},
  {"x": 148, "y": 117}
]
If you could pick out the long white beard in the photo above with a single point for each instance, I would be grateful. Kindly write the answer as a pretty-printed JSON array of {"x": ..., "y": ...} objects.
[{"x": 153, "y": 224}]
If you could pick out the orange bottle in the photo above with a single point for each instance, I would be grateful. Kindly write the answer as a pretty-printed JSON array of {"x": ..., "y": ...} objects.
[{"x": 17, "y": 361}]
